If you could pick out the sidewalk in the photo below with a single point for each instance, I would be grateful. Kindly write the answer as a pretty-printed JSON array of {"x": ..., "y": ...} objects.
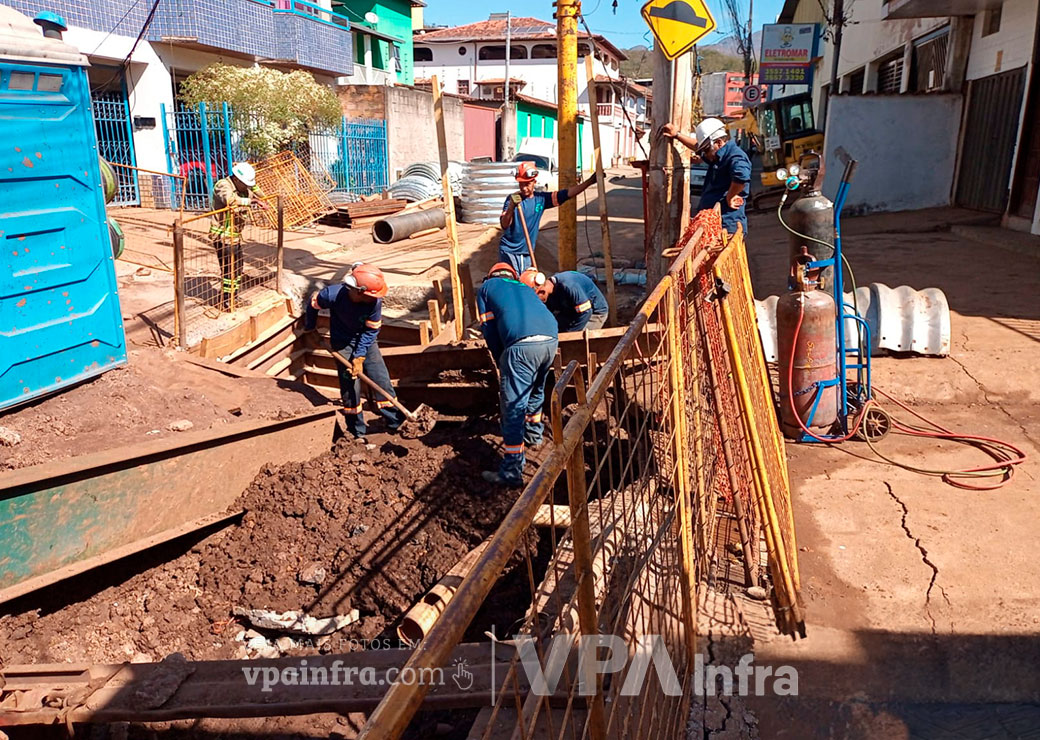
[{"x": 920, "y": 597}]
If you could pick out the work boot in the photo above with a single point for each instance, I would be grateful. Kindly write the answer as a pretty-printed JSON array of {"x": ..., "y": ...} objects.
[{"x": 493, "y": 477}]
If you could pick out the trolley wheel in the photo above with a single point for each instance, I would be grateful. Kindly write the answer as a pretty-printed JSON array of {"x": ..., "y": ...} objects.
[{"x": 876, "y": 424}]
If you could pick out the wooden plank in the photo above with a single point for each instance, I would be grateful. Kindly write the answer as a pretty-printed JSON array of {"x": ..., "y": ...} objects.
[
  {"x": 469, "y": 292},
  {"x": 449, "y": 208},
  {"x": 226, "y": 343},
  {"x": 601, "y": 193},
  {"x": 435, "y": 316},
  {"x": 424, "y": 333}
]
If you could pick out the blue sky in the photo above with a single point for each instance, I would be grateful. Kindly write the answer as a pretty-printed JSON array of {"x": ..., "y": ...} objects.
[{"x": 624, "y": 29}]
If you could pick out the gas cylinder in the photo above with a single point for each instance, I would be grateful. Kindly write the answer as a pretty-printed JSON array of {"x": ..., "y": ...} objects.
[
  {"x": 812, "y": 215},
  {"x": 815, "y": 359}
]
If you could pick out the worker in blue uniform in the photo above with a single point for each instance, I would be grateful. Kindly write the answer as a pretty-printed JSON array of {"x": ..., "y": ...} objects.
[
  {"x": 355, "y": 316},
  {"x": 522, "y": 337},
  {"x": 572, "y": 297},
  {"x": 517, "y": 248},
  {"x": 728, "y": 180}
]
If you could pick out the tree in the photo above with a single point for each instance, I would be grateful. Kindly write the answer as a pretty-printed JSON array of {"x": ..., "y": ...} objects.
[
  {"x": 273, "y": 110},
  {"x": 640, "y": 62}
]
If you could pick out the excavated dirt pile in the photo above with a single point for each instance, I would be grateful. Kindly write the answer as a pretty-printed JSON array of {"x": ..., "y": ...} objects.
[{"x": 356, "y": 528}]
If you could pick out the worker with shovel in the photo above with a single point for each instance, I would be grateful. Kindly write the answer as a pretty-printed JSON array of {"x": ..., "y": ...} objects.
[
  {"x": 522, "y": 214},
  {"x": 355, "y": 317},
  {"x": 521, "y": 334}
]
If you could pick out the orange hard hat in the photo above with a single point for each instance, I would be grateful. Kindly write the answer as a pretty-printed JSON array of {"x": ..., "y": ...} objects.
[
  {"x": 502, "y": 267},
  {"x": 531, "y": 277},
  {"x": 526, "y": 172},
  {"x": 368, "y": 279}
]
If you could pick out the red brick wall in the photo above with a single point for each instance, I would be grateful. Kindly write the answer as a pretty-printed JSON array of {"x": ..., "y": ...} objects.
[{"x": 363, "y": 101}]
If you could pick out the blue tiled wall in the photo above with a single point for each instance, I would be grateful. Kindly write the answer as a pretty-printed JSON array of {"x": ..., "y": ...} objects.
[
  {"x": 311, "y": 43},
  {"x": 244, "y": 26},
  {"x": 99, "y": 15}
]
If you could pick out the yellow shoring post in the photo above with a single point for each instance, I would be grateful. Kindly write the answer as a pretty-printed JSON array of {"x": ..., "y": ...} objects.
[
  {"x": 689, "y": 591},
  {"x": 773, "y": 525}
]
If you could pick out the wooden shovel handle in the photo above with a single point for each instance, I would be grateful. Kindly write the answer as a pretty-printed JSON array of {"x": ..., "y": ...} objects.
[{"x": 375, "y": 386}]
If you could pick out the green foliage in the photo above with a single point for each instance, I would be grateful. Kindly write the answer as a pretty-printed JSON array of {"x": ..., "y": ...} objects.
[
  {"x": 640, "y": 62},
  {"x": 273, "y": 109}
]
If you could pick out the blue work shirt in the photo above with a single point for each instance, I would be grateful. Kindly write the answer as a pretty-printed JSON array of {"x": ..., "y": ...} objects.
[
  {"x": 511, "y": 311},
  {"x": 513, "y": 241},
  {"x": 731, "y": 165},
  {"x": 574, "y": 300},
  {"x": 352, "y": 325}
]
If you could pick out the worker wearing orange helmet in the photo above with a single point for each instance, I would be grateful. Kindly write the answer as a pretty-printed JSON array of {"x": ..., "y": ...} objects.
[
  {"x": 522, "y": 337},
  {"x": 355, "y": 316},
  {"x": 513, "y": 248}
]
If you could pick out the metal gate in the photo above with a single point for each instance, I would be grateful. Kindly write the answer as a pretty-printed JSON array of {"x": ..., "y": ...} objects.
[
  {"x": 116, "y": 143},
  {"x": 203, "y": 141},
  {"x": 994, "y": 106},
  {"x": 198, "y": 143}
]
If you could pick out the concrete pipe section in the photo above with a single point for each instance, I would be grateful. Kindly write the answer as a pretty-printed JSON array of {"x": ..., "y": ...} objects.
[{"x": 403, "y": 225}]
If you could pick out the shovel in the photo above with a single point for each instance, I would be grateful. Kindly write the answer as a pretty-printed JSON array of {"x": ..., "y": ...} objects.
[{"x": 417, "y": 423}]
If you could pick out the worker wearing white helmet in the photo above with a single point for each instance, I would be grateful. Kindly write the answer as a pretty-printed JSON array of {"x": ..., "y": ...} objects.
[
  {"x": 230, "y": 201},
  {"x": 728, "y": 180}
]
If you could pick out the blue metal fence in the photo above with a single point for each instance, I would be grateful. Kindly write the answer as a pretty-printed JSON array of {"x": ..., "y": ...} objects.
[
  {"x": 116, "y": 143},
  {"x": 202, "y": 142}
]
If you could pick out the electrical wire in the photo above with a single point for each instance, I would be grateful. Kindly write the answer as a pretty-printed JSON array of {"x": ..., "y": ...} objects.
[{"x": 126, "y": 61}]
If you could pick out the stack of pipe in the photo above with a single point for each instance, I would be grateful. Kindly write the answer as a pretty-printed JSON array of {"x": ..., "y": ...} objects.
[
  {"x": 422, "y": 180},
  {"x": 485, "y": 187}
]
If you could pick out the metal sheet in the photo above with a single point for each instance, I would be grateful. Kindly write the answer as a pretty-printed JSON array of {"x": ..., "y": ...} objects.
[
  {"x": 67, "y": 516},
  {"x": 900, "y": 319}
]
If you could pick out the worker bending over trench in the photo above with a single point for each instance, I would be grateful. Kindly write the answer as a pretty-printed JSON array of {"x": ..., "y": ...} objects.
[{"x": 572, "y": 297}]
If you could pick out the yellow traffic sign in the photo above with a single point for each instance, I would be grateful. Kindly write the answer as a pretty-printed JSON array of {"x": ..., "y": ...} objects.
[{"x": 678, "y": 24}]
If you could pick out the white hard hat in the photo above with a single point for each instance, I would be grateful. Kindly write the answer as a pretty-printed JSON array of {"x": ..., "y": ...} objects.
[
  {"x": 244, "y": 172},
  {"x": 709, "y": 130}
]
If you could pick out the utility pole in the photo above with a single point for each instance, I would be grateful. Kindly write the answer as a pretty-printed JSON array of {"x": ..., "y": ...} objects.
[
  {"x": 839, "y": 22},
  {"x": 668, "y": 187},
  {"x": 749, "y": 49},
  {"x": 509, "y": 28},
  {"x": 567, "y": 70}
]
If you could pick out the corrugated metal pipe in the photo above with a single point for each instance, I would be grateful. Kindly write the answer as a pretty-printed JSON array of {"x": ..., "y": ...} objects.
[{"x": 403, "y": 225}]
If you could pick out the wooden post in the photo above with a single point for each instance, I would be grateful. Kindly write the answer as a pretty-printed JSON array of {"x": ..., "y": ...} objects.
[
  {"x": 280, "y": 254},
  {"x": 178, "y": 284},
  {"x": 424, "y": 333},
  {"x": 601, "y": 193},
  {"x": 435, "y": 317},
  {"x": 467, "y": 291},
  {"x": 668, "y": 193},
  {"x": 438, "y": 292},
  {"x": 449, "y": 207}
]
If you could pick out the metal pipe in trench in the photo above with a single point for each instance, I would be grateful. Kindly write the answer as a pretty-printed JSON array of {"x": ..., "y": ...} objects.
[{"x": 403, "y": 225}]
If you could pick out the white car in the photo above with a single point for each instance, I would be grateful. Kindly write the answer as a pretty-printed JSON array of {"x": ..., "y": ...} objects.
[{"x": 542, "y": 153}]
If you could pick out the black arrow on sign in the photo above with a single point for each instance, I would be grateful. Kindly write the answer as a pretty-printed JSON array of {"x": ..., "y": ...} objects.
[{"x": 681, "y": 12}]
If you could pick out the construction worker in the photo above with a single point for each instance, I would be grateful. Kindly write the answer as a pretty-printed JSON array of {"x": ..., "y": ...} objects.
[
  {"x": 521, "y": 334},
  {"x": 572, "y": 297},
  {"x": 516, "y": 248},
  {"x": 355, "y": 317},
  {"x": 236, "y": 193},
  {"x": 728, "y": 181}
]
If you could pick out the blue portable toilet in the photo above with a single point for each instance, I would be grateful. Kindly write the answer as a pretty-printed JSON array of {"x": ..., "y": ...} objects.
[{"x": 60, "y": 321}]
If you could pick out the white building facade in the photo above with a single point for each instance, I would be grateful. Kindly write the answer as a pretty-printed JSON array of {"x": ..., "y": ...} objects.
[{"x": 471, "y": 60}]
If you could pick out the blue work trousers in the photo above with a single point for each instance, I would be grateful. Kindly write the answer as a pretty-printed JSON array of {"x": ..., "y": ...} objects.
[
  {"x": 350, "y": 392},
  {"x": 523, "y": 368},
  {"x": 520, "y": 262}
]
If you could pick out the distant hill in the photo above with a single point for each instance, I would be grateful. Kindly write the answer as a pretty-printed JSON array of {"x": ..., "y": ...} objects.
[
  {"x": 728, "y": 45},
  {"x": 640, "y": 62}
]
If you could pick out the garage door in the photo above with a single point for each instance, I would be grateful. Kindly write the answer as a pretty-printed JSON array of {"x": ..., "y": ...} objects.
[{"x": 994, "y": 106}]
